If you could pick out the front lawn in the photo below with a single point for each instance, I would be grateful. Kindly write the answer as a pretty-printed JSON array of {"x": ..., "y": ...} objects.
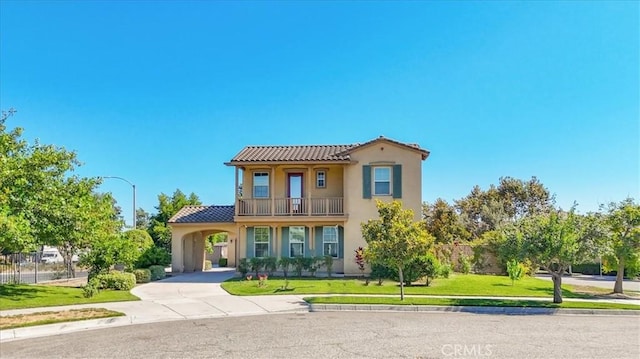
[
  {"x": 457, "y": 284},
  {"x": 19, "y": 296},
  {"x": 467, "y": 302},
  {"x": 42, "y": 318}
]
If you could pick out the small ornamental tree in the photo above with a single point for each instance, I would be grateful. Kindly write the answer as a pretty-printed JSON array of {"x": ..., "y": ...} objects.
[
  {"x": 555, "y": 242},
  {"x": 515, "y": 270},
  {"x": 360, "y": 259},
  {"x": 623, "y": 225},
  {"x": 395, "y": 239}
]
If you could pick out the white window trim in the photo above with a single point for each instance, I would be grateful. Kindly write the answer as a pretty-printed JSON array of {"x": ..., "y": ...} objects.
[
  {"x": 268, "y": 240},
  {"x": 373, "y": 182},
  {"x": 324, "y": 173},
  {"x": 253, "y": 182},
  {"x": 337, "y": 241},
  {"x": 304, "y": 234}
]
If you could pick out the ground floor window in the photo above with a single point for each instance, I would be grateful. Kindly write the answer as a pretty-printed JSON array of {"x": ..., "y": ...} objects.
[
  {"x": 330, "y": 241},
  {"x": 296, "y": 241},
  {"x": 261, "y": 242}
]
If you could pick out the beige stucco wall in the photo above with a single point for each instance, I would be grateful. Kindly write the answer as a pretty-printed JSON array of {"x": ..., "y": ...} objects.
[
  {"x": 360, "y": 209},
  {"x": 188, "y": 247}
]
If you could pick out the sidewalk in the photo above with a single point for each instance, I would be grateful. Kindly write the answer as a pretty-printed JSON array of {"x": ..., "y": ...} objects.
[{"x": 193, "y": 296}]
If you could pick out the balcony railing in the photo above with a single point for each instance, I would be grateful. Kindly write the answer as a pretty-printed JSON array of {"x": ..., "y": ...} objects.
[{"x": 331, "y": 206}]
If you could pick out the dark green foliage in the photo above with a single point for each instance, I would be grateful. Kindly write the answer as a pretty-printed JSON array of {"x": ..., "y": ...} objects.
[
  {"x": 167, "y": 207},
  {"x": 299, "y": 264},
  {"x": 328, "y": 265},
  {"x": 91, "y": 289},
  {"x": 285, "y": 263},
  {"x": 157, "y": 272},
  {"x": 142, "y": 275},
  {"x": 243, "y": 267},
  {"x": 154, "y": 256},
  {"x": 116, "y": 280},
  {"x": 256, "y": 264},
  {"x": 222, "y": 262},
  {"x": 270, "y": 264},
  {"x": 380, "y": 273}
]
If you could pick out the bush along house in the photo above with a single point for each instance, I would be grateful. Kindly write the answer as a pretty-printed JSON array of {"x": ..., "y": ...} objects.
[{"x": 306, "y": 200}]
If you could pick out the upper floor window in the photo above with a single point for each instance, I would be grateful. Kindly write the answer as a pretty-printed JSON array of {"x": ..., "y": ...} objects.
[
  {"x": 321, "y": 179},
  {"x": 381, "y": 181},
  {"x": 261, "y": 185}
]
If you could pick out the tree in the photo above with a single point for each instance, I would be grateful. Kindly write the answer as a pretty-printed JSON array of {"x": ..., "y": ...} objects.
[
  {"x": 142, "y": 219},
  {"x": 443, "y": 222},
  {"x": 167, "y": 207},
  {"x": 554, "y": 241},
  {"x": 394, "y": 239},
  {"x": 623, "y": 224}
]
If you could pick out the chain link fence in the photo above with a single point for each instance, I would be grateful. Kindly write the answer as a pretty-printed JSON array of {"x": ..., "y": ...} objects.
[{"x": 34, "y": 267}]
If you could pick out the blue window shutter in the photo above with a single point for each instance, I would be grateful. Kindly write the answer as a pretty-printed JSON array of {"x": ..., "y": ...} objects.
[
  {"x": 319, "y": 245},
  {"x": 307, "y": 242},
  {"x": 272, "y": 233},
  {"x": 250, "y": 238},
  {"x": 366, "y": 181},
  {"x": 340, "y": 242},
  {"x": 397, "y": 181},
  {"x": 285, "y": 242}
]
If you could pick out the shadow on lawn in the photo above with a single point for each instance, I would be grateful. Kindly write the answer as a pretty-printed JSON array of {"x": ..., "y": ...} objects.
[{"x": 18, "y": 292}]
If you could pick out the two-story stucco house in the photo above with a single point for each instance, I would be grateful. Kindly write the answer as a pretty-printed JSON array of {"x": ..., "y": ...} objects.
[{"x": 302, "y": 201}]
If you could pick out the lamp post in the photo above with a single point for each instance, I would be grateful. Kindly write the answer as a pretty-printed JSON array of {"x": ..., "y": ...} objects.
[{"x": 134, "y": 196}]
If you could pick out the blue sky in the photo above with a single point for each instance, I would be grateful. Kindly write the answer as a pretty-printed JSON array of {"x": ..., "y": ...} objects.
[{"x": 162, "y": 93}]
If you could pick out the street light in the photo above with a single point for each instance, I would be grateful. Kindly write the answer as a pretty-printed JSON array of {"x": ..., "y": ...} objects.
[{"x": 134, "y": 196}]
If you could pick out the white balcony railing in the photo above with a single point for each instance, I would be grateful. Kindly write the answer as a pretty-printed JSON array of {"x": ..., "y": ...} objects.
[{"x": 330, "y": 206}]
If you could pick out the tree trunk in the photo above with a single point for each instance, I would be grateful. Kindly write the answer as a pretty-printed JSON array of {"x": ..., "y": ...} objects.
[
  {"x": 401, "y": 283},
  {"x": 617, "y": 288},
  {"x": 557, "y": 286}
]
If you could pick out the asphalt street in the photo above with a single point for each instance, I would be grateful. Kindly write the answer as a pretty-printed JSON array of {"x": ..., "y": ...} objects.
[{"x": 351, "y": 335}]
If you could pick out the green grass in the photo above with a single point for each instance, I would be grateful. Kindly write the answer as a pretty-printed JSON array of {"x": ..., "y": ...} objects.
[
  {"x": 457, "y": 284},
  {"x": 42, "y": 318},
  {"x": 467, "y": 302},
  {"x": 19, "y": 296}
]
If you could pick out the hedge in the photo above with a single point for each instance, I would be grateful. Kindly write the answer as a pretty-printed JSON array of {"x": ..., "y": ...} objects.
[
  {"x": 116, "y": 280},
  {"x": 142, "y": 275},
  {"x": 222, "y": 262},
  {"x": 157, "y": 272}
]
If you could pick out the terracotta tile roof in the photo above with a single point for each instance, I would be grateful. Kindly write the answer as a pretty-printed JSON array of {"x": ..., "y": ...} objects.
[
  {"x": 292, "y": 153},
  {"x": 309, "y": 153},
  {"x": 203, "y": 214}
]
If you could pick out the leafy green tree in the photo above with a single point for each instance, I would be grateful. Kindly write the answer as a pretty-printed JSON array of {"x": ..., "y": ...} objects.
[
  {"x": 515, "y": 270},
  {"x": 394, "y": 239},
  {"x": 555, "y": 242},
  {"x": 443, "y": 222},
  {"x": 142, "y": 219},
  {"x": 167, "y": 207},
  {"x": 623, "y": 223}
]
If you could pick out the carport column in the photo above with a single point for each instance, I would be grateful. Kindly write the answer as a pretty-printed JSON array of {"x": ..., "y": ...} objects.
[
  {"x": 198, "y": 251},
  {"x": 188, "y": 253},
  {"x": 177, "y": 262}
]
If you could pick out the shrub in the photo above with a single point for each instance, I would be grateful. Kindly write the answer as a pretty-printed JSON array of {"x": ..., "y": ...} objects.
[
  {"x": 207, "y": 265},
  {"x": 157, "y": 272},
  {"x": 427, "y": 266},
  {"x": 284, "y": 263},
  {"x": 243, "y": 267},
  {"x": 116, "y": 280},
  {"x": 445, "y": 271},
  {"x": 314, "y": 264},
  {"x": 256, "y": 264},
  {"x": 328, "y": 264},
  {"x": 515, "y": 270},
  {"x": 91, "y": 289},
  {"x": 299, "y": 264},
  {"x": 464, "y": 264},
  {"x": 380, "y": 273},
  {"x": 222, "y": 262},
  {"x": 154, "y": 256},
  {"x": 142, "y": 275},
  {"x": 270, "y": 264}
]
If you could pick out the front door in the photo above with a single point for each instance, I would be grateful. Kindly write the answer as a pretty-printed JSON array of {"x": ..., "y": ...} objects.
[{"x": 294, "y": 193}]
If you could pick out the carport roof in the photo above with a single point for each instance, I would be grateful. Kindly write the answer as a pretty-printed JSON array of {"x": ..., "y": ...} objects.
[{"x": 204, "y": 214}]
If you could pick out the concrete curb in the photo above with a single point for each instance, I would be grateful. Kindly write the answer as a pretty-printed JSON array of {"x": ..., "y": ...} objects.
[{"x": 466, "y": 309}]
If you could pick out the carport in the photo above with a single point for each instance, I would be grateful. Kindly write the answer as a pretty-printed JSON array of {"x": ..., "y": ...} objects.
[{"x": 191, "y": 226}]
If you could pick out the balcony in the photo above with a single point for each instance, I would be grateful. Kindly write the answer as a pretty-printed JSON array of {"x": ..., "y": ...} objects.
[{"x": 290, "y": 207}]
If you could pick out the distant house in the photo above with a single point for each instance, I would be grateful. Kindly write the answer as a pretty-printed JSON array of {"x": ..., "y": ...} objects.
[{"x": 302, "y": 201}]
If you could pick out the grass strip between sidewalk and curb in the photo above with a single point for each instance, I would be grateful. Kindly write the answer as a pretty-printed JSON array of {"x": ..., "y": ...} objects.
[
  {"x": 478, "y": 302},
  {"x": 21, "y": 296},
  {"x": 42, "y": 318}
]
